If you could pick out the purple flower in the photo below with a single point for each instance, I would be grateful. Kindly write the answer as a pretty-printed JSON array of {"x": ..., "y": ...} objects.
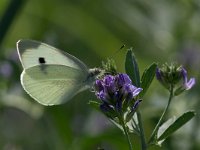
[
  {"x": 158, "y": 74},
  {"x": 123, "y": 79},
  {"x": 109, "y": 84},
  {"x": 105, "y": 107},
  {"x": 101, "y": 95},
  {"x": 136, "y": 104},
  {"x": 6, "y": 69},
  {"x": 115, "y": 90},
  {"x": 99, "y": 85},
  {"x": 130, "y": 90},
  {"x": 171, "y": 75},
  {"x": 109, "y": 80},
  {"x": 187, "y": 84}
]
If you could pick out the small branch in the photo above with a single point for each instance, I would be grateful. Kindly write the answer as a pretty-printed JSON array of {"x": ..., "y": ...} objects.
[
  {"x": 142, "y": 136},
  {"x": 122, "y": 122},
  {"x": 127, "y": 136},
  {"x": 152, "y": 138}
]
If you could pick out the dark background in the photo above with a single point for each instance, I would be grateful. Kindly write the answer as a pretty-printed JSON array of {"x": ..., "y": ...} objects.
[{"x": 92, "y": 30}]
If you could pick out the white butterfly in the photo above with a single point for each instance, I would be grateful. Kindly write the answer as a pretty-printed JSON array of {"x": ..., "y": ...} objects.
[{"x": 51, "y": 76}]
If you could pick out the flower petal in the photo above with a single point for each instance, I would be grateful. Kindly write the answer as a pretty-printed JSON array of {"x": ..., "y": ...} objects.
[
  {"x": 184, "y": 75},
  {"x": 105, "y": 107},
  {"x": 158, "y": 74},
  {"x": 190, "y": 84},
  {"x": 136, "y": 91},
  {"x": 99, "y": 85},
  {"x": 109, "y": 79},
  {"x": 136, "y": 104},
  {"x": 123, "y": 79}
]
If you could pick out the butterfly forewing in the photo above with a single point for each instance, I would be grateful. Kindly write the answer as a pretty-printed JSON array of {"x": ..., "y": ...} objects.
[{"x": 33, "y": 53}]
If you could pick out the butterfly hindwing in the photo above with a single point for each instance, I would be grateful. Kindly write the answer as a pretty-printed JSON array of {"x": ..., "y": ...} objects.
[{"x": 54, "y": 85}]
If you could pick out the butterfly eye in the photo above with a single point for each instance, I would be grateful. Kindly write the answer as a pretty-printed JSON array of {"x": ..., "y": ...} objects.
[{"x": 41, "y": 60}]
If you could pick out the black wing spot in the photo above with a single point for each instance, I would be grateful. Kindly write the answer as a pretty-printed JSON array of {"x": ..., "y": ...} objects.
[
  {"x": 41, "y": 60},
  {"x": 42, "y": 64}
]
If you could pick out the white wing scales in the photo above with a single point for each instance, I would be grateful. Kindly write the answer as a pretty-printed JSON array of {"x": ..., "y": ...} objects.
[
  {"x": 55, "y": 86},
  {"x": 30, "y": 51},
  {"x": 56, "y": 79}
]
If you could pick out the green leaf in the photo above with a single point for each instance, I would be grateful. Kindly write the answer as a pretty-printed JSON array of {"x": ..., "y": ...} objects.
[
  {"x": 183, "y": 119},
  {"x": 130, "y": 116},
  {"x": 116, "y": 122},
  {"x": 164, "y": 127},
  {"x": 94, "y": 104},
  {"x": 131, "y": 67},
  {"x": 147, "y": 78}
]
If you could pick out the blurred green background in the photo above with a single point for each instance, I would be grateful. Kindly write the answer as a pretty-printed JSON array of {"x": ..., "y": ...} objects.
[{"x": 92, "y": 30}]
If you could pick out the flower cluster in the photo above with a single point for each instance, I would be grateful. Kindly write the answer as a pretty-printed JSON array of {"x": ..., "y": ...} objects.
[
  {"x": 172, "y": 75},
  {"x": 116, "y": 94}
]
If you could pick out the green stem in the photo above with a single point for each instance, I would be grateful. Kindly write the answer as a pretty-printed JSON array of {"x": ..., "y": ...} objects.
[
  {"x": 152, "y": 138},
  {"x": 126, "y": 134},
  {"x": 142, "y": 136}
]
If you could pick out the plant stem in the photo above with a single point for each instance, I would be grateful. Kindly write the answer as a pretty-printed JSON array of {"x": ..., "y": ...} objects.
[
  {"x": 126, "y": 134},
  {"x": 142, "y": 136},
  {"x": 152, "y": 138}
]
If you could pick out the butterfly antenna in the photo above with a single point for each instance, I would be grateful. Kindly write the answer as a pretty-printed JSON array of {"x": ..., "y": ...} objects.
[
  {"x": 109, "y": 65},
  {"x": 119, "y": 50},
  {"x": 122, "y": 46}
]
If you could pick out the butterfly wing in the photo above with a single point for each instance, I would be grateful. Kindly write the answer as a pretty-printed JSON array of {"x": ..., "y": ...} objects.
[
  {"x": 53, "y": 84},
  {"x": 50, "y": 76},
  {"x": 31, "y": 52}
]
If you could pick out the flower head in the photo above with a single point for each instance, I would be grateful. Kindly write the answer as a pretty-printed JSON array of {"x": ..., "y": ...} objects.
[
  {"x": 168, "y": 75},
  {"x": 172, "y": 75},
  {"x": 116, "y": 93}
]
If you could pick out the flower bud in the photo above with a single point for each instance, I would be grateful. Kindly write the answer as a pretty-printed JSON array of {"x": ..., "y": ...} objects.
[
  {"x": 169, "y": 75},
  {"x": 172, "y": 76}
]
